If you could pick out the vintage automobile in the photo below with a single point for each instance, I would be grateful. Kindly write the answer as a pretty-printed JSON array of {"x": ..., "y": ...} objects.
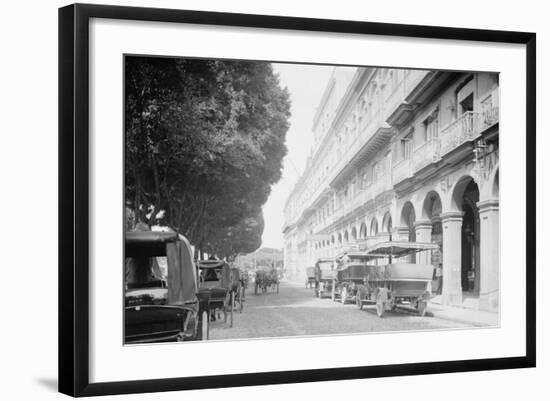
[
  {"x": 310, "y": 277},
  {"x": 351, "y": 272},
  {"x": 216, "y": 288},
  {"x": 400, "y": 278},
  {"x": 325, "y": 272},
  {"x": 266, "y": 278},
  {"x": 161, "y": 306}
]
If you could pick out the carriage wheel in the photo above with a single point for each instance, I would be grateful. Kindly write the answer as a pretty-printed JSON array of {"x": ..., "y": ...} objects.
[
  {"x": 421, "y": 309},
  {"x": 344, "y": 295}
]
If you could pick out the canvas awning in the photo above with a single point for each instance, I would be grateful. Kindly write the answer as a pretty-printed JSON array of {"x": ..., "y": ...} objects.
[{"x": 399, "y": 248}]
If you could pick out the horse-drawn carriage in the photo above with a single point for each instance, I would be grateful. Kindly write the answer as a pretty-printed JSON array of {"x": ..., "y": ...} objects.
[
  {"x": 400, "y": 277},
  {"x": 310, "y": 277},
  {"x": 219, "y": 284},
  {"x": 325, "y": 272},
  {"x": 161, "y": 303},
  {"x": 266, "y": 278}
]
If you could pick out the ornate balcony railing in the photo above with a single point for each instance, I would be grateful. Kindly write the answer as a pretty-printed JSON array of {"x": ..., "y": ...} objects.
[
  {"x": 461, "y": 130},
  {"x": 426, "y": 154},
  {"x": 489, "y": 110}
]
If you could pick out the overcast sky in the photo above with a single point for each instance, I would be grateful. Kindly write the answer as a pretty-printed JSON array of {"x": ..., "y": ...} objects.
[{"x": 306, "y": 84}]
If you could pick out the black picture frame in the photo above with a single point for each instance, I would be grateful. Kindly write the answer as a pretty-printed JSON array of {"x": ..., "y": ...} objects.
[{"x": 74, "y": 198}]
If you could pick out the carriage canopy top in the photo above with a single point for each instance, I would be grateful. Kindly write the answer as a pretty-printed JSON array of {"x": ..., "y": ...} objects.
[
  {"x": 216, "y": 265},
  {"x": 141, "y": 249}
]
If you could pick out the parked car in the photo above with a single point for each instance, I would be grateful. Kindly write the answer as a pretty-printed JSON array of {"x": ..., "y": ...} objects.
[
  {"x": 400, "y": 279},
  {"x": 325, "y": 272},
  {"x": 351, "y": 272},
  {"x": 161, "y": 307}
]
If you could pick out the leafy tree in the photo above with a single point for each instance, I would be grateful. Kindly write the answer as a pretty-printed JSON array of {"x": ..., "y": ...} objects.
[{"x": 205, "y": 141}]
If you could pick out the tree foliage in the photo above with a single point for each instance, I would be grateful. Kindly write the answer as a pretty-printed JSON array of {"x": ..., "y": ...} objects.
[{"x": 205, "y": 141}]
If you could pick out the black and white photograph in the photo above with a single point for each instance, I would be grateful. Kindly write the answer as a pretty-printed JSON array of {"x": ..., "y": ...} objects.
[{"x": 269, "y": 199}]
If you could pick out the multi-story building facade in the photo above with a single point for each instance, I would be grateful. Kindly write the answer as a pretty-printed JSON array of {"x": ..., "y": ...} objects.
[{"x": 404, "y": 155}]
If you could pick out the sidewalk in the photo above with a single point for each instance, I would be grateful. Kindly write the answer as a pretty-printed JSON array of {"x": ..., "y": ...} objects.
[{"x": 463, "y": 314}]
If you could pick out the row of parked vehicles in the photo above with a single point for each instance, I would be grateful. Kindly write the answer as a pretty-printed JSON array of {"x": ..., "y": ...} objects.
[
  {"x": 171, "y": 297},
  {"x": 388, "y": 276}
]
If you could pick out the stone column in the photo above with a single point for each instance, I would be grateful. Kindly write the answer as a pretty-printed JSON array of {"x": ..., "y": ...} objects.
[
  {"x": 452, "y": 257},
  {"x": 423, "y": 229},
  {"x": 489, "y": 258}
]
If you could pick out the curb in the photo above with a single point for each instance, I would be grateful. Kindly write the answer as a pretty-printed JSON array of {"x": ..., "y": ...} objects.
[{"x": 444, "y": 315}]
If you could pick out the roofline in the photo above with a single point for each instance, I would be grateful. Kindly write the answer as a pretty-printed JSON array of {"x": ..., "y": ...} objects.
[{"x": 324, "y": 99}]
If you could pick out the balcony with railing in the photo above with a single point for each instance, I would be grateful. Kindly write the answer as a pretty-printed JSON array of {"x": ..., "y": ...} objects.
[
  {"x": 459, "y": 131},
  {"x": 426, "y": 154},
  {"x": 489, "y": 110},
  {"x": 371, "y": 132}
]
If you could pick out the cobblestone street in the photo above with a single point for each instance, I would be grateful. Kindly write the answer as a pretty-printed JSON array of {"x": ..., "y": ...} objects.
[{"x": 295, "y": 311}]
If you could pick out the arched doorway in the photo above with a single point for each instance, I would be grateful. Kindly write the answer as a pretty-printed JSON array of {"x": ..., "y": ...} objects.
[
  {"x": 408, "y": 217},
  {"x": 363, "y": 231},
  {"x": 431, "y": 211},
  {"x": 354, "y": 234},
  {"x": 466, "y": 197},
  {"x": 387, "y": 223},
  {"x": 373, "y": 227}
]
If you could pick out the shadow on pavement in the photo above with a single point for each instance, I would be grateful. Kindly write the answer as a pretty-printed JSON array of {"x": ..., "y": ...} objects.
[{"x": 48, "y": 382}]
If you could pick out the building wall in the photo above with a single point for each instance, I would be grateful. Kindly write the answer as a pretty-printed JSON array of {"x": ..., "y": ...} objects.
[{"x": 407, "y": 151}]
